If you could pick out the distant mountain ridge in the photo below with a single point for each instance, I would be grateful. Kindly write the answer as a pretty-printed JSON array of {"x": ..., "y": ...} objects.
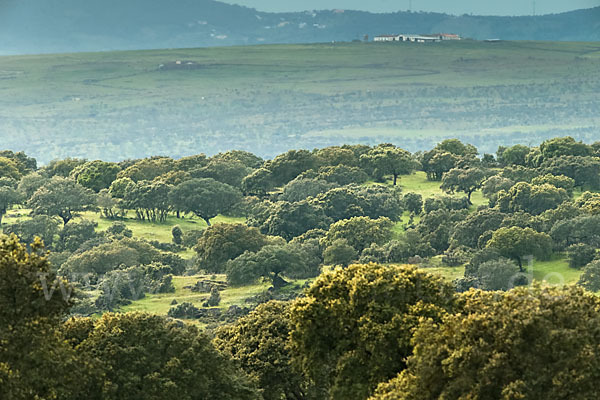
[{"x": 55, "y": 26}]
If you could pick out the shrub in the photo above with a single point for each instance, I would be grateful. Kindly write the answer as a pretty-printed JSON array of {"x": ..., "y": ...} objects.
[{"x": 580, "y": 255}]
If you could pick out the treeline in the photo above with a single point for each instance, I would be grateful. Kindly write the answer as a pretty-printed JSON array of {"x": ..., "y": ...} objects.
[{"x": 305, "y": 209}]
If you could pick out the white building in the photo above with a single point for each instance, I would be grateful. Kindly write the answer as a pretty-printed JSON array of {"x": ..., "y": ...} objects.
[
  {"x": 387, "y": 38},
  {"x": 419, "y": 38},
  {"x": 438, "y": 37},
  {"x": 445, "y": 36}
]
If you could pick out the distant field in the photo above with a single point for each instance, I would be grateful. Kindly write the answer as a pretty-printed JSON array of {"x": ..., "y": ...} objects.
[{"x": 268, "y": 99}]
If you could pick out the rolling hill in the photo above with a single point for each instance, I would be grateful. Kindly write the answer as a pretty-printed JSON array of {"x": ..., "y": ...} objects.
[
  {"x": 269, "y": 99},
  {"x": 59, "y": 26}
]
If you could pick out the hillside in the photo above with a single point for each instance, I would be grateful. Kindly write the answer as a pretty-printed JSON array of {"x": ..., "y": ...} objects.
[
  {"x": 267, "y": 99},
  {"x": 51, "y": 26}
]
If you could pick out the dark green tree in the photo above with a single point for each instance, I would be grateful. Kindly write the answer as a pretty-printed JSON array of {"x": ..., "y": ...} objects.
[
  {"x": 517, "y": 243},
  {"x": 342, "y": 175},
  {"x": 35, "y": 362},
  {"x": 564, "y": 146},
  {"x": 580, "y": 255},
  {"x": 223, "y": 242},
  {"x": 147, "y": 169},
  {"x": 259, "y": 343},
  {"x": 9, "y": 196},
  {"x": 359, "y": 232},
  {"x": 387, "y": 159},
  {"x": 30, "y": 183},
  {"x": 590, "y": 278},
  {"x": 413, "y": 202},
  {"x": 206, "y": 198},
  {"x": 9, "y": 169},
  {"x": 258, "y": 183},
  {"x": 41, "y": 226},
  {"x": 289, "y": 220},
  {"x": 287, "y": 166},
  {"x": 150, "y": 200},
  {"x": 272, "y": 262},
  {"x": 147, "y": 356},
  {"x": 339, "y": 252},
  {"x": 585, "y": 171},
  {"x": 74, "y": 234},
  {"x": 514, "y": 155},
  {"x": 95, "y": 175},
  {"x": 227, "y": 171},
  {"x": 501, "y": 274},
  {"x": 335, "y": 156},
  {"x": 581, "y": 229},
  {"x": 468, "y": 231},
  {"x": 533, "y": 199},
  {"x": 559, "y": 181},
  {"x": 62, "y": 167},
  {"x": 177, "y": 234},
  {"x": 300, "y": 189},
  {"x": 436, "y": 163},
  {"x": 61, "y": 197},
  {"x": 463, "y": 180},
  {"x": 248, "y": 159}
]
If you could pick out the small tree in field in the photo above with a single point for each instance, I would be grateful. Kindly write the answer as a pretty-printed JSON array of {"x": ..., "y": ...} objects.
[
  {"x": 518, "y": 243},
  {"x": 204, "y": 197},
  {"x": 61, "y": 197},
  {"x": 463, "y": 180}
]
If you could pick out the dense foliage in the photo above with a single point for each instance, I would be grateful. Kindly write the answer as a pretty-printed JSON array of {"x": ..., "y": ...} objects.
[{"x": 324, "y": 231}]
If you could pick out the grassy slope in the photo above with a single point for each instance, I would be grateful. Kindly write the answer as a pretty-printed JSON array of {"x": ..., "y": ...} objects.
[{"x": 265, "y": 97}]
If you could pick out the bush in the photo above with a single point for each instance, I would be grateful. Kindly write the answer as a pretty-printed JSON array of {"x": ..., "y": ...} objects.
[
  {"x": 445, "y": 203},
  {"x": 456, "y": 257},
  {"x": 501, "y": 274},
  {"x": 184, "y": 310},
  {"x": 413, "y": 202},
  {"x": 465, "y": 283},
  {"x": 590, "y": 278},
  {"x": 163, "y": 246},
  {"x": 580, "y": 255},
  {"x": 177, "y": 234},
  {"x": 191, "y": 237},
  {"x": 340, "y": 253},
  {"x": 119, "y": 229},
  {"x": 214, "y": 299}
]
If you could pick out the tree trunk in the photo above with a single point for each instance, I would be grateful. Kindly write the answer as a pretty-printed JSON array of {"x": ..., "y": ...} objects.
[
  {"x": 520, "y": 264},
  {"x": 207, "y": 220},
  {"x": 395, "y": 179},
  {"x": 469, "y": 198},
  {"x": 66, "y": 217}
]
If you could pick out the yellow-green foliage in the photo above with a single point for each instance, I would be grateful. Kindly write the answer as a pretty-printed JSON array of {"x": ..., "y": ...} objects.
[
  {"x": 259, "y": 343},
  {"x": 353, "y": 328},
  {"x": 529, "y": 343}
]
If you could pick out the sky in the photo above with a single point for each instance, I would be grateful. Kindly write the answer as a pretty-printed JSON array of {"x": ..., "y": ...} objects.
[{"x": 457, "y": 7}]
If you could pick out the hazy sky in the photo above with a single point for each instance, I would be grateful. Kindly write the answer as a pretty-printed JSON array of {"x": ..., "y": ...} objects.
[{"x": 481, "y": 7}]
